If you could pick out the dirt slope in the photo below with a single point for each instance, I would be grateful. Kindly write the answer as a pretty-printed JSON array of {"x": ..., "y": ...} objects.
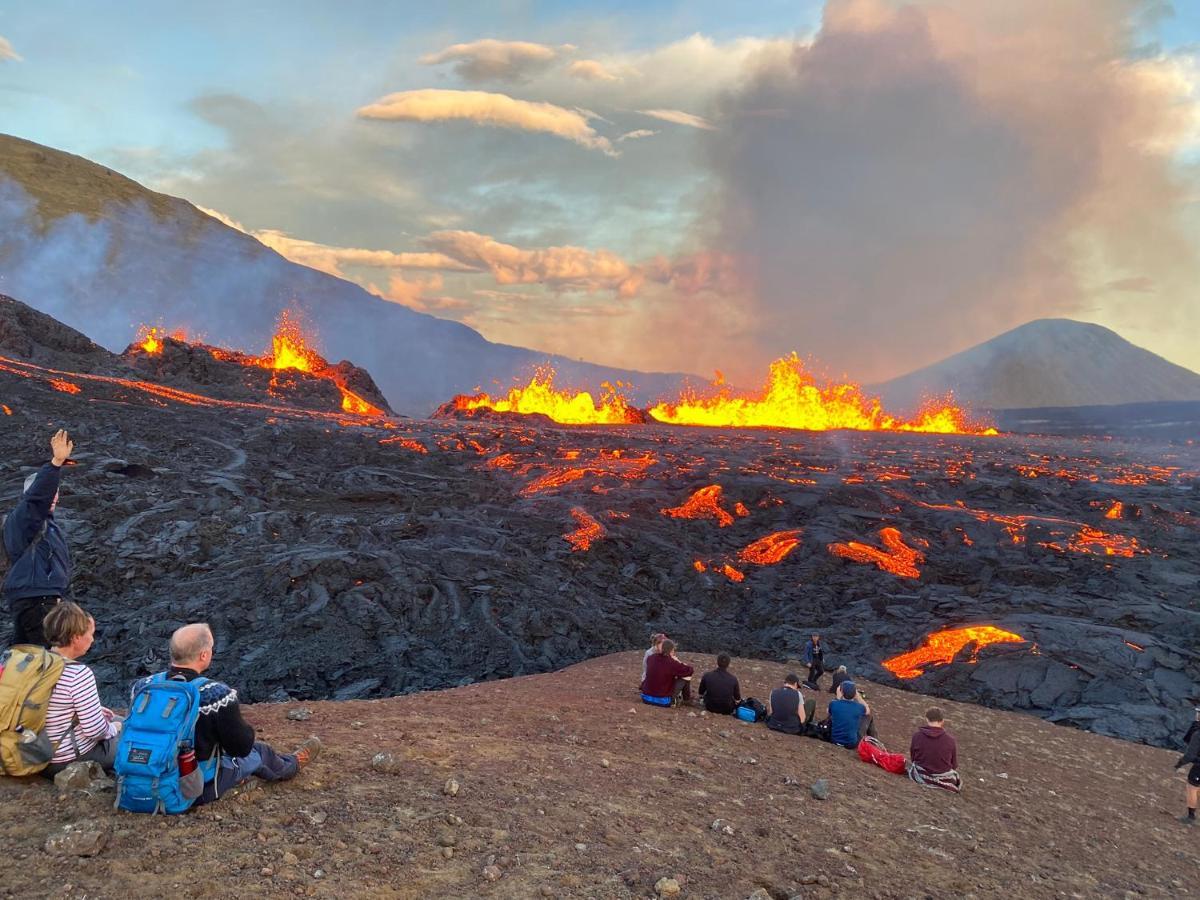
[{"x": 1047, "y": 811}]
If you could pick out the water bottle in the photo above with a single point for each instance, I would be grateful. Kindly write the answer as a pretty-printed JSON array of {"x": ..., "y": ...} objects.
[{"x": 187, "y": 759}]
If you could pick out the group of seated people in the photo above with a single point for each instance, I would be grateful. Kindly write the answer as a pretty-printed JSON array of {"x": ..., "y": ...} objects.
[
  {"x": 80, "y": 727},
  {"x": 666, "y": 681}
]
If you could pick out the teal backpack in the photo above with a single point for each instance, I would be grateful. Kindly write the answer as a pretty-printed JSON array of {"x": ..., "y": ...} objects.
[{"x": 161, "y": 726}]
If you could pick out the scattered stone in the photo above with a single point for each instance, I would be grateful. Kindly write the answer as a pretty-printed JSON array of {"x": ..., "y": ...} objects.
[
  {"x": 384, "y": 762},
  {"x": 452, "y": 819},
  {"x": 300, "y": 714},
  {"x": 290, "y": 858},
  {"x": 77, "y": 839},
  {"x": 315, "y": 817},
  {"x": 760, "y": 894},
  {"x": 581, "y": 847},
  {"x": 266, "y": 871},
  {"x": 451, "y": 788},
  {"x": 820, "y": 789},
  {"x": 319, "y": 873},
  {"x": 604, "y": 763},
  {"x": 492, "y": 872},
  {"x": 447, "y": 852},
  {"x": 721, "y": 826},
  {"x": 667, "y": 887},
  {"x": 79, "y": 775}
]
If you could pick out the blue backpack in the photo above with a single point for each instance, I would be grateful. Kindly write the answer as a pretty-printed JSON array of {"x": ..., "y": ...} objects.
[{"x": 161, "y": 726}]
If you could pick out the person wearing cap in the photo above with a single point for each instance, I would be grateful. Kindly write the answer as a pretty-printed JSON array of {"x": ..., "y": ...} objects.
[
  {"x": 849, "y": 717},
  {"x": 656, "y": 642},
  {"x": 933, "y": 753},
  {"x": 1191, "y": 755},
  {"x": 39, "y": 571}
]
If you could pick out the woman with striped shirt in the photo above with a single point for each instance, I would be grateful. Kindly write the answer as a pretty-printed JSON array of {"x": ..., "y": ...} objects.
[{"x": 77, "y": 723}]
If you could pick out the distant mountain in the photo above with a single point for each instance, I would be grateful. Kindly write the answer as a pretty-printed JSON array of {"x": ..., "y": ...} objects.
[
  {"x": 1048, "y": 362},
  {"x": 103, "y": 254}
]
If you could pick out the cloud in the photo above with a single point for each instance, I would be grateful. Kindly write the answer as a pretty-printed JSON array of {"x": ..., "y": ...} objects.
[
  {"x": 7, "y": 53},
  {"x": 678, "y": 117},
  {"x": 562, "y": 267},
  {"x": 637, "y": 134},
  {"x": 486, "y": 108},
  {"x": 493, "y": 60},
  {"x": 591, "y": 70},
  {"x": 334, "y": 260},
  {"x": 922, "y": 176}
]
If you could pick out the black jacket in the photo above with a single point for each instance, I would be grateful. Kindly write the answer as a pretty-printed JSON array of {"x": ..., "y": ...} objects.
[
  {"x": 220, "y": 726},
  {"x": 1191, "y": 753},
  {"x": 46, "y": 570}
]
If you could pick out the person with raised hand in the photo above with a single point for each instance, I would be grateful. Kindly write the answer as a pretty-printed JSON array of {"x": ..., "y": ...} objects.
[{"x": 39, "y": 573}]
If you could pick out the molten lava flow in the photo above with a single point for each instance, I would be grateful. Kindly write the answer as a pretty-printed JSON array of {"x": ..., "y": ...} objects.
[
  {"x": 589, "y": 530},
  {"x": 66, "y": 387},
  {"x": 1093, "y": 540},
  {"x": 771, "y": 549},
  {"x": 289, "y": 348},
  {"x": 1116, "y": 510},
  {"x": 704, "y": 504},
  {"x": 791, "y": 398},
  {"x": 540, "y": 396},
  {"x": 352, "y": 403},
  {"x": 7, "y": 411},
  {"x": 406, "y": 443},
  {"x": 731, "y": 573},
  {"x": 941, "y": 647},
  {"x": 898, "y": 558},
  {"x": 699, "y": 566}
]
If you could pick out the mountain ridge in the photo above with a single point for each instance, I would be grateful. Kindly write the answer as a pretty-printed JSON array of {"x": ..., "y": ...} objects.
[{"x": 1051, "y": 362}]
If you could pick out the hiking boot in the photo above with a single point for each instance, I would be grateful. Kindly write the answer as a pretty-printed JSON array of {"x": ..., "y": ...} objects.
[
  {"x": 308, "y": 751},
  {"x": 1187, "y": 820}
]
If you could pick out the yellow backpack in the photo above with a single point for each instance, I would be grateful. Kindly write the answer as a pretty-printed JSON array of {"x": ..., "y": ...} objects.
[{"x": 28, "y": 675}]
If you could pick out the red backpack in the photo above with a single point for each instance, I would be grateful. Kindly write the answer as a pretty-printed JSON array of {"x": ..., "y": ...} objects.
[{"x": 871, "y": 751}]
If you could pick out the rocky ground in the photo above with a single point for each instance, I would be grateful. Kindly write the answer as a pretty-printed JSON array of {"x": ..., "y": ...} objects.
[
  {"x": 393, "y": 555},
  {"x": 569, "y": 787}
]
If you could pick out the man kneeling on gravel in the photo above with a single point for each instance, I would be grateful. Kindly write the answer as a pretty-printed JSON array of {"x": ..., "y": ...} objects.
[{"x": 221, "y": 728}]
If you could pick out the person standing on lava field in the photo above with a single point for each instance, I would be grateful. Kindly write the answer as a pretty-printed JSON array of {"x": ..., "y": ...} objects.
[
  {"x": 814, "y": 658},
  {"x": 1191, "y": 755},
  {"x": 39, "y": 562},
  {"x": 221, "y": 731}
]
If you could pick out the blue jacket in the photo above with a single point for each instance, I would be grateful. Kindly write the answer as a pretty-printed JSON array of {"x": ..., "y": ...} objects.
[
  {"x": 810, "y": 650},
  {"x": 46, "y": 571}
]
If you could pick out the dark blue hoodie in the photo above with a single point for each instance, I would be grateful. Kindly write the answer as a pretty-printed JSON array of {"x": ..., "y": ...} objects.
[{"x": 44, "y": 571}]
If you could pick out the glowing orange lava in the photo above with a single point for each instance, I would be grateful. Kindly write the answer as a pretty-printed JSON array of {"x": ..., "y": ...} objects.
[
  {"x": 541, "y": 396},
  {"x": 66, "y": 387},
  {"x": 7, "y": 411},
  {"x": 589, "y": 530},
  {"x": 149, "y": 339},
  {"x": 1093, "y": 540},
  {"x": 705, "y": 504},
  {"x": 406, "y": 443},
  {"x": 941, "y": 647},
  {"x": 898, "y": 558},
  {"x": 771, "y": 549},
  {"x": 1116, "y": 510},
  {"x": 731, "y": 573},
  {"x": 791, "y": 398}
]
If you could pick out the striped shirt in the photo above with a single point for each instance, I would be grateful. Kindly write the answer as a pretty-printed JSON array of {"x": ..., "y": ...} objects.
[{"x": 76, "y": 695}]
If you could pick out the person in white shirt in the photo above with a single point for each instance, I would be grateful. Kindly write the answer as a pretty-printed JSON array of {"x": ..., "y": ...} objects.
[
  {"x": 77, "y": 723},
  {"x": 656, "y": 642}
]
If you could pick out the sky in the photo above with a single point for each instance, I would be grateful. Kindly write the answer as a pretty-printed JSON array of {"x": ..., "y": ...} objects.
[{"x": 874, "y": 184}]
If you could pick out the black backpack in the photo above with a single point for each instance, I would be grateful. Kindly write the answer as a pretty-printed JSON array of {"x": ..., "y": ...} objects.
[{"x": 757, "y": 707}]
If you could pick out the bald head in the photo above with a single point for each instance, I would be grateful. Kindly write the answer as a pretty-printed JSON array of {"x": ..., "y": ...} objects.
[{"x": 191, "y": 646}]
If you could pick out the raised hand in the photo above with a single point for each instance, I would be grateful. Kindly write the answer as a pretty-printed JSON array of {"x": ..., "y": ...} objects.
[{"x": 61, "y": 446}]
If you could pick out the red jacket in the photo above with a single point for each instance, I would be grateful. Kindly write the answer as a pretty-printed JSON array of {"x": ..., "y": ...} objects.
[
  {"x": 934, "y": 750},
  {"x": 661, "y": 672}
]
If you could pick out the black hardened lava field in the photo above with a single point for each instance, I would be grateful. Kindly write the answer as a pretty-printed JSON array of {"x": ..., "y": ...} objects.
[{"x": 348, "y": 555}]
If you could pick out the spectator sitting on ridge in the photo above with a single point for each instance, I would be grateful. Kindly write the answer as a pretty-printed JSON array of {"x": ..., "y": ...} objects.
[
  {"x": 667, "y": 679},
  {"x": 719, "y": 689},
  {"x": 934, "y": 754},
  {"x": 839, "y": 675},
  {"x": 785, "y": 707},
  {"x": 849, "y": 717},
  {"x": 77, "y": 724},
  {"x": 221, "y": 728},
  {"x": 656, "y": 642}
]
